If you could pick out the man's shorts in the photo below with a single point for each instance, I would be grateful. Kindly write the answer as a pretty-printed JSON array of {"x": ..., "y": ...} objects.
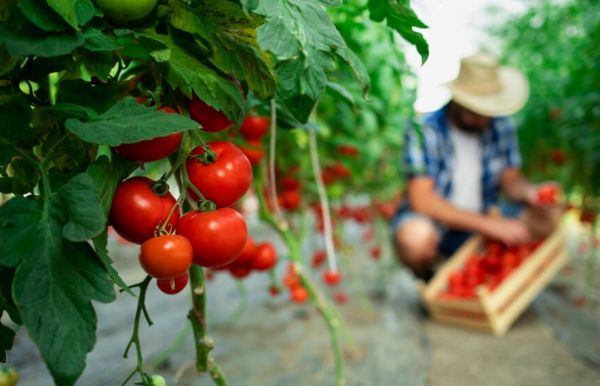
[{"x": 450, "y": 240}]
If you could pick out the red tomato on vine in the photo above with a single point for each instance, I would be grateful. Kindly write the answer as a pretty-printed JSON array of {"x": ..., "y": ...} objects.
[
  {"x": 211, "y": 119},
  {"x": 225, "y": 180},
  {"x": 137, "y": 211},
  {"x": 265, "y": 258},
  {"x": 217, "y": 237},
  {"x": 166, "y": 257},
  {"x": 254, "y": 151},
  {"x": 173, "y": 286},
  {"x": 255, "y": 127}
]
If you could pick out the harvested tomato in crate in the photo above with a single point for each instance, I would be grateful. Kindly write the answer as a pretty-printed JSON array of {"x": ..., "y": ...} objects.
[{"x": 486, "y": 285}]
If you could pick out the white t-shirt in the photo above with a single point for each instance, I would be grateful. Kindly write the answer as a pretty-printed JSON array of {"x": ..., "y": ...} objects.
[{"x": 466, "y": 175}]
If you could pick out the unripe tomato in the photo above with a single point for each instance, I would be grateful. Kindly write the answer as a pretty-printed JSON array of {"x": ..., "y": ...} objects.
[
  {"x": 173, "y": 286},
  {"x": 123, "y": 11},
  {"x": 217, "y": 237},
  {"x": 254, "y": 127},
  {"x": 137, "y": 211},
  {"x": 166, "y": 257},
  {"x": 211, "y": 119},
  {"x": 227, "y": 179},
  {"x": 332, "y": 277},
  {"x": 152, "y": 149},
  {"x": 265, "y": 258},
  {"x": 157, "y": 380}
]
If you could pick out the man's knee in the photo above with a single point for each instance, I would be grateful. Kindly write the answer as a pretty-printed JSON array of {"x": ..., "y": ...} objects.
[{"x": 417, "y": 240}]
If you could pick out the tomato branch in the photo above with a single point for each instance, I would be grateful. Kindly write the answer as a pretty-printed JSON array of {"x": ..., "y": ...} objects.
[
  {"x": 327, "y": 312},
  {"x": 272, "y": 180}
]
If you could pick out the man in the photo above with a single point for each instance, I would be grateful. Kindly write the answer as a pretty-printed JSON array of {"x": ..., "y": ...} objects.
[{"x": 460, "y": 161}]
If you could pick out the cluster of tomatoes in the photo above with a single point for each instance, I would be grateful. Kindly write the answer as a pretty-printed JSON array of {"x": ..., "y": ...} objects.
[
  {"x": 253, "y": 129},
  {"x": 291, "y": 280},
  {"x": 487, "y": 268},
  {"x": 330, "y": 277},
  {"x": 335, "y": 172},
  {"x": 145, "y": 212},
  {"x": 257, "y": 257}
]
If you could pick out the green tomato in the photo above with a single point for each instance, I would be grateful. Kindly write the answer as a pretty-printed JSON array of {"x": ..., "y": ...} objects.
[
  {"x": 8, "y": 377},
  {"x": 157, "y": 380},
  {"x": 123, "y": 11}
]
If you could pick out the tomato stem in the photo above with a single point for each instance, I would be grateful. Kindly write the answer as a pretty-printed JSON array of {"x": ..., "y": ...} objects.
[
  {"x": 135, "y": 338},
  {"x": 272, "y": 180},
  {"x": 327, "y": 312}
]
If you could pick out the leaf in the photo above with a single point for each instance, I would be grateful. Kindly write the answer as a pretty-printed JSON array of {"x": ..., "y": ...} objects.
[
  {"x": 6, "y": 302},
  {"x": 100, "y": 242},
  {"x": 40, "y": 14},
  {"x": 30, "y": 41},
  {"x": 20, "y": 222},
  {"x": 129, "y": 122},
  {"x": 54, "y": 286},
  {"x": 341, "y": 91},
  {"x": 99, "y": 64},
  {"x": 184, "y": 71},
  {"x": 85, "y": 11},
  {"x": 403, "y": 19},
  {"x": 25, "y": 177},
  {"x": 66, "y": 9},
  {"x": 358, "y": 68},
  {"x": 68, "y": 110},
  {"x": 15, "y": 115},
  {"x": 228, "y": 37},
  {"x": 95, "y": 40},
  {"x": 85, "y": 216},
  {"x": 99, "y": 97},
  {"x": 304, "y": 41}
]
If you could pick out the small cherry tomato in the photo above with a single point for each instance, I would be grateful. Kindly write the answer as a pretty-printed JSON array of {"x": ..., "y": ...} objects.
[
  {"x": 332, "y": 278},
  {"x": 299, "y": 295},
  {"x": 255, "y": 127},
  {"x": 265, "y": 258}
]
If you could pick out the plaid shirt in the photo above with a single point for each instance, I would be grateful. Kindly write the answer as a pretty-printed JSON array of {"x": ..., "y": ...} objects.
[{"x": 429, "y": 152}]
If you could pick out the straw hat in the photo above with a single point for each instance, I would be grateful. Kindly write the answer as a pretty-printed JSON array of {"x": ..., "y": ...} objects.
[{"x": 487, "y": 88}]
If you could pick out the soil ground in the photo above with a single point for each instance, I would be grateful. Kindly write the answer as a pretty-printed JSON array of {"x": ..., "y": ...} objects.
[{"x": 388, "y": 340}]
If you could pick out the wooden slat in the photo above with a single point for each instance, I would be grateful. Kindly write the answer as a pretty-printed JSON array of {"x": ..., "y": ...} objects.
[
  {"x": 459, "y": 304},
  {"x": 464, "y": 322},
  {"x": 440, "y": 279},
  {"x": 519, "y": 276},
  {"x": 503, "y": 321}
]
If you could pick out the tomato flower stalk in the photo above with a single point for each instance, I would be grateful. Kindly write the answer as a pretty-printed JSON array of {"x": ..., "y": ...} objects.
[{"x": 328, "y": 313}]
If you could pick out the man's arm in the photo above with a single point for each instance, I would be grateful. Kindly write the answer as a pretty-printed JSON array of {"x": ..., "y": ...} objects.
[
  {"x": 425, "y": 200},
  {"x": 516, "y": 187}
]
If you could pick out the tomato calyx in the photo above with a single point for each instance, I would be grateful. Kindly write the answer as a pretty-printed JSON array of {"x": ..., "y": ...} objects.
[
  {"x": 160, "y": 187},
  {"x": 208, "y": 156},
  {"x": 206, "y": 206}
]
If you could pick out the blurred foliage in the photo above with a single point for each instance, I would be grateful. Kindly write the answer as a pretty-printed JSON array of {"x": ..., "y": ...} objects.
[{"x": 557, "y": 45}]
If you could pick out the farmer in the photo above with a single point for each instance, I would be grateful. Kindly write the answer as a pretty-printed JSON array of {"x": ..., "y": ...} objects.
[{"x": 459, "y": 161}]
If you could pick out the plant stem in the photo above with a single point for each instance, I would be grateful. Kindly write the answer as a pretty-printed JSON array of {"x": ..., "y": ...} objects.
[
  {"x": 327, "y": 312},
  {"x": 135, "y": 338},
  {"x": 272, "y": 180},
  {"x": 204, "y": 363}
]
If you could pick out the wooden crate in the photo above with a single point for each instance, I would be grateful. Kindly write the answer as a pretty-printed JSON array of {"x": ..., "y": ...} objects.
[{"x": 495, "y": 311}]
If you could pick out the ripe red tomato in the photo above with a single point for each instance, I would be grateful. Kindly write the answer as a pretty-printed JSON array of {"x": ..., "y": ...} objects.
[
  {"x": 558, "y": 156},
  {"x": 289, "y": 183},
  {"x": 217, "y": 237},
  {"x": 328, "y": 176},
  {"x": 137, "y": 211},
  {"x": 227, "y": 179},
  {"x": 340, "y": 297},
  {"x": 332, "y": 277},
  {"x": 255, "y": 127},
  {"x": 375, "y": 253},
  {"x": 290, "y": 199},
  {"x": 349, "y": 150},
  {"x": 299, "y": 295},
  {"x": 318, "y": 258},
  {"x": 254, "y": 152},
  {"x": 547, "y": 194},
  {"x": 239, "y": 271},
  {"x": 211, "y": 119},
  {"x": 151, "y": 149},
  {"x": 340, "y": 170},
  {"x": 166, "y": 257},
  {"x": 173, "y": 286},
  {"x": 248, "y": 253},
  {"x": 291, "y": 281},
  {"x": 274, "y": 290},
  {"x": 265, "y": 258}
]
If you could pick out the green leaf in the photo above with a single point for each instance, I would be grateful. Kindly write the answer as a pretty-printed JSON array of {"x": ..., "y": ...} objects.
[
  {"x": 54, "y": 286},
  {"x": 100, "y": 242},
  {"x": 20, "y": 222},
  {"x": 85, "y": 216},
  {"x": 85, "y": 11},
  {"x": 66, "y": 9},
  {"x": 25, "y": 178},
  {"x": 15, "y": 115},
  {"x": 99, "y": 64},
  {"x": 27, "y": 40},
  {"x": 6, "y": 302},
  {"x": 40, "y": 14},
  {"x": 304, "y": 41},
  {"x": 184, "y": 71},
  {"x": 95, "y": 40},
  {"x": 403, "y": 19},
  {"x": 228, "y": 36},
  {"x": 129, "y": 122},
  {"x": 358, "y": 68},
  {"x": 341, "y": 91},
  {"x": 99, "y": 97},
  {"x": 68, "y": 110}
]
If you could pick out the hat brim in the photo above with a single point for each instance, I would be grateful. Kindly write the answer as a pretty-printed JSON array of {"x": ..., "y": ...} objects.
[{"x": 511, "y": 98}]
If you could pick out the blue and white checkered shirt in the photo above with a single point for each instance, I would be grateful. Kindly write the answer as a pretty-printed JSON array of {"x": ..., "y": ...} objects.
[{"x": 429, "y": 152}]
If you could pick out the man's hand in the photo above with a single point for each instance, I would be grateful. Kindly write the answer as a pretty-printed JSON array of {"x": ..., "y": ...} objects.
[
  {"x": 544, "y": 196},
  {"x": 508, "y": 231}
]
